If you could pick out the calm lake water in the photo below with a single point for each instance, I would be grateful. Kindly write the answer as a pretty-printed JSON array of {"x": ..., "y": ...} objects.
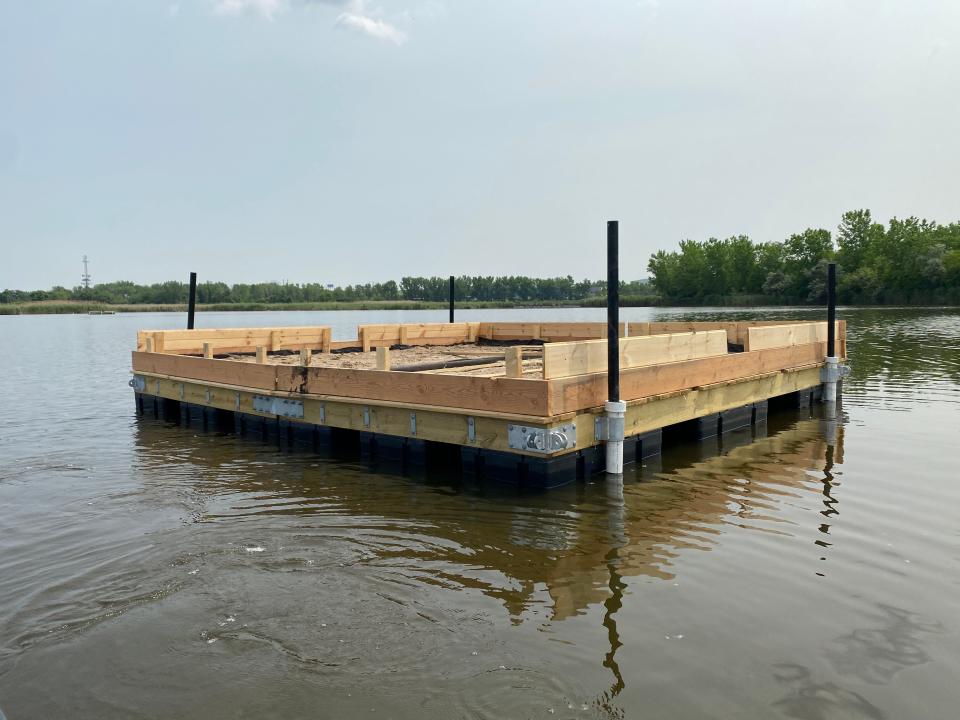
[{"x": 146, "y": 571}]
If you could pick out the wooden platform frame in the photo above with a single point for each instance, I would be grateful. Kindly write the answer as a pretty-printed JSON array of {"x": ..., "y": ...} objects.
[{"x": 673, "y": 372}]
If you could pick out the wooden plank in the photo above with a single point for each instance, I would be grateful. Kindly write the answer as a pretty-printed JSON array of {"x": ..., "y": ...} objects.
[
  {"x": 580, "y": 392},
  {"x": 233, "y": 339},
  {"x": 383, "y": 358},
  {"x": 207, "y": 350},
  {"x": 305, "y": 357},
  {"x": 548, "y": 332},
  {"x": 222, "y": 371},
  {"x": 326, "y": 340},
  {"x": 261, "y": 354},
  {"x": 489, "y": 431},
  {"x": 148, "y": 344},
  {"x": 496, "y": 394},
  {"x": 670, "y": 408},
  {"x": 514, "y": 361},
  {"x": 590, "y": 356},
  {"x": 787, "y": 335}
]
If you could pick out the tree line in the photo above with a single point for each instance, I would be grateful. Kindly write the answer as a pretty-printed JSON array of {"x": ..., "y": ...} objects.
[
  {"x": 905, "y": 261},
  {"x": 514, "y": 288}
]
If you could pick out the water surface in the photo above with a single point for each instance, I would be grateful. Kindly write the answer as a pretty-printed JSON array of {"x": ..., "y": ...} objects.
[{"x": 808, "y": 570}]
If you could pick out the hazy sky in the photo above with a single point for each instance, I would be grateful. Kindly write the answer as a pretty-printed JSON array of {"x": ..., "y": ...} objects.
[{"x": 354, "y": 141}]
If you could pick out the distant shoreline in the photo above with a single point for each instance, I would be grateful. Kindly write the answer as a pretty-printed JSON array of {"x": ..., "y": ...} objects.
[{"x": 82, "y": 308}]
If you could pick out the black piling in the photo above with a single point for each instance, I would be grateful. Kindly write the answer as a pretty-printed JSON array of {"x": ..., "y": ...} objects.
[
  {"x": 831, "y": 309},
  {"x": 451, "y": 297},
  {"x": 192, "y": 302},
  {"x": 613, "y": 311}
]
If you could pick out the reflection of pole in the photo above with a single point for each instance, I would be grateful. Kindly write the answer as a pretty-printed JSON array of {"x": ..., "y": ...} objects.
[{"x": 616, "y": 521}]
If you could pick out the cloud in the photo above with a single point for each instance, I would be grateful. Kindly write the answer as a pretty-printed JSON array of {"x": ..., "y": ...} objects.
[
  {"x": 266, "y": 8},
  {"x": 372, "y": 27}
]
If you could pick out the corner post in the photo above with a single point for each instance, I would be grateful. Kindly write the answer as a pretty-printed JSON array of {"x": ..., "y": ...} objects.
[
  {"x": 615, "y": 409},
  {"x": 831, "y": 370},
  {"x": 451, "y": 297},
  {"x": 192, "y": 302}
]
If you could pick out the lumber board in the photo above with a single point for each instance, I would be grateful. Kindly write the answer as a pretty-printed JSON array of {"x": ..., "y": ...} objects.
[
  {"x": 670, "y": 408},
  {"x": 521, "y": 396},
  {"x": 490, "y": 432},
  {"x": 580, "y": 392},
  {"x": 374, "y": 335},
  {"x": 197, "y": 368},
  {"x": 787, "y": 335},
  {"x": 547, "y": 331},
  {"x": 590, "y": 356},
  {"x": 224, "y": 340}
]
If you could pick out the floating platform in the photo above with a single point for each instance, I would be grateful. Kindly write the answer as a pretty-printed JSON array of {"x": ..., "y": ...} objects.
[{"x": 514, "y": 402}]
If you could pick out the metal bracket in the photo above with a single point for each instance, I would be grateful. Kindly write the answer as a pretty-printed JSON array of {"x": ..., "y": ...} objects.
[
  {"x": 158, "y": 388},
  {"x": 237, "y": 400},
  {"x": 138, "y": 383},
  {"x": 208, "y": 396},
  {"x": 181, "y": 391},
  {"x": 541, "y": 439},
  {"x": 606, "y": 428},
  {"x": 471, "y": 429},
  {"x": 323, "y": 413},
  {"x": 833, "y": 373},
  {"x": 413, "y": 423},
  {"x": 278, "y": 406},
  {"x": 366, "y": 416}
]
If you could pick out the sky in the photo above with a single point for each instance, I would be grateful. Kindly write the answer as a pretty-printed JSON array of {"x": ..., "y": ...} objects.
[{"x": 361, "y": 141}]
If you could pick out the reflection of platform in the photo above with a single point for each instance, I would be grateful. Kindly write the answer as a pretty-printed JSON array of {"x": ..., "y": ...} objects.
[
  {"x": 523, "y": 549},
  {"x": 535, "y": 427}
]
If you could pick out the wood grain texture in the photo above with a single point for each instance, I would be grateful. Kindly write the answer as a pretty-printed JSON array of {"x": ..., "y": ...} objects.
[
  {"x": 788, "y": 335},
  {"x": 581, "y": 392},
  {"x": 590, "y": 356}
]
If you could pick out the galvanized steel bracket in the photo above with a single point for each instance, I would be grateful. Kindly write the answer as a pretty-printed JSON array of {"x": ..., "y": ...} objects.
[
  {"x": 541, "y": 439},
  {"x": 833, "y": 373},
  {"x": 278, "y": 406},
  {"x": 138, "y": 383}
]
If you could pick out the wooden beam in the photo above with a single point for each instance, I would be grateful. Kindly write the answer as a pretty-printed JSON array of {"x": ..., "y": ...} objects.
[
  {"x": 489, "y": 431},
  {"x": 305, "y": 357},
  {"x": 261, "y": 354},
  {"x": 325, "y": 340},
  {"x": 670, "y": 408},
  {"x": 227, "y": 340},
  {"x": 521, "y": 396},
  {"x": 208, "y": 350},
  {"x": 229, "y": 372},
  {"x": 590, "y": 356},
  {"x": 514, "y": 361},
  {"x": 786, "y": 335},
  {"x": 580, "y": 392},
  {"x": 383, "y": 358},
  {"x": 148, "y": 344}
]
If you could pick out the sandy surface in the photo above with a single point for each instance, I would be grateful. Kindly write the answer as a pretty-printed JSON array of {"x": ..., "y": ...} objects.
[{"x": 532, "y": 367}]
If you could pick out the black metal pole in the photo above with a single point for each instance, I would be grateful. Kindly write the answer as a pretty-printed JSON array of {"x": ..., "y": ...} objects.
[
  {"x": 831, "y": 309},
  {"x": 451, "y": 298},
  {"x": 192, "y": 302},
  {"x": 613, "y": 311}
]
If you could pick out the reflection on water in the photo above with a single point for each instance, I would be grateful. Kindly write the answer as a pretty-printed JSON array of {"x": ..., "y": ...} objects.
[{"x": 790, "y": 570}]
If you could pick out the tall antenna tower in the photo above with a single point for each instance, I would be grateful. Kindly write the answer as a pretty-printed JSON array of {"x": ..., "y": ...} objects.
[{"x": 86, "y": 274}]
